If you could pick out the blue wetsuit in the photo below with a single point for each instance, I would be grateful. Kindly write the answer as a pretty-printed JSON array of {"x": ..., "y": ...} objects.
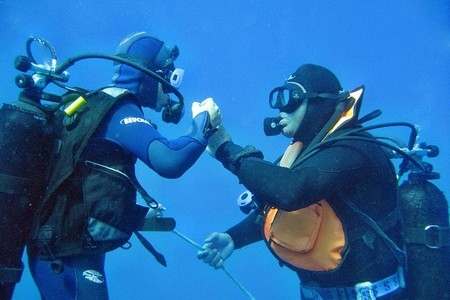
[
  {"x": 127, "y": 127},
  {"x": 83, "y": 277}
]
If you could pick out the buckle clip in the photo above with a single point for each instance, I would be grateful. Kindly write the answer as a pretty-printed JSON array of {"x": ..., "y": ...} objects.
[
  {"x": 433, "y": 236},
  {"x": 365, "y": 291}
]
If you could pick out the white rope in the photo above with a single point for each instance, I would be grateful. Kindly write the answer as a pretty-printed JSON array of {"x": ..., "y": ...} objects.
[{"x": 199, "y": 247}]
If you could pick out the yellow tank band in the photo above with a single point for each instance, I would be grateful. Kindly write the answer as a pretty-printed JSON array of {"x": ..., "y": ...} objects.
[{"x": 75, "y": 106}]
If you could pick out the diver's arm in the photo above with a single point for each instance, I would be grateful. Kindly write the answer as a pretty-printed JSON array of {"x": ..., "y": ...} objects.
[
  {"x": 128, "y": 128},
  {"x": 322, "y": 175},
  {"x": 246, "y": 232},
  {"x": 171, "y": 158}
]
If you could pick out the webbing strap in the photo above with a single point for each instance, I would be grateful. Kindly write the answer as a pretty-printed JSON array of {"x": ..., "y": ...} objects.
[
  {"x": 152, "y": 203},
  {"x": 432, "y": 236},
  {"x": 158, "y": 224},
  {"x": 396, "y": 251},
  {"x": 10, "y": 274},
  {"x": 385, "y": 223},
  {"x": 150, "y": 248},
  {"x": 364, "y": 290},
  {"x": 13, "y": 185}
]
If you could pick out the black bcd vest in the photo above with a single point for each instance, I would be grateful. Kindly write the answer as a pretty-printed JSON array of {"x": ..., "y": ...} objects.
[{"x": 86, "y": 211}]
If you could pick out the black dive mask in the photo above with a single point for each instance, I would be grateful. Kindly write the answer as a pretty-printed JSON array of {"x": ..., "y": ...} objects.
[
  {"x": 289, "y": 97},
  {"x": 286, "y": 98}
]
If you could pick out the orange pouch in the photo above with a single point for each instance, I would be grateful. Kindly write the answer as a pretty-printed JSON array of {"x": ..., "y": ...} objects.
[{"x": 310, "y": 238}]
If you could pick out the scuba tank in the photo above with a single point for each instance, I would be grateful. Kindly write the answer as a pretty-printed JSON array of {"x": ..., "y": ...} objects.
[
  {"x": 426, "y": 231},
  {"x": 25, "y": 149},
  {"x": 26, "y": 145}
]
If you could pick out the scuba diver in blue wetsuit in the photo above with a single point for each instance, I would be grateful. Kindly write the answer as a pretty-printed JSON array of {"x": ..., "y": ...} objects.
[{"x": 90, "y": 203}]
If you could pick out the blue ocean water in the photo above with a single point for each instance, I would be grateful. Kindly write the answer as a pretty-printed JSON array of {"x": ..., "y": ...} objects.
[{"x": 236, "y": 51}]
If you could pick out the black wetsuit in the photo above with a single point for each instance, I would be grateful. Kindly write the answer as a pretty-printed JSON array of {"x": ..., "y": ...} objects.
[{"x": 348, "y": 170}]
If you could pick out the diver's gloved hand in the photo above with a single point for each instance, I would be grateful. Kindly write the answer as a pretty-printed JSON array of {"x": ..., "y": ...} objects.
[
  {"x": 218, "y": 134},
  {"x": 208, "y": 105},
  {"x": 205, "y": 117},
  {"x": 217, "y": 248},
  {"x": 217, "y": 139}
]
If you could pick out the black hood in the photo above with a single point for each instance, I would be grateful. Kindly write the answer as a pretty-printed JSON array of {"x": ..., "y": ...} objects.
[{"x": 315, "y": 79}]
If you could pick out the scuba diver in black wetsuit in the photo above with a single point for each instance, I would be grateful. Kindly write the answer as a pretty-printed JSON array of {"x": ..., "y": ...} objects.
[{"x": 328, "y": 208}]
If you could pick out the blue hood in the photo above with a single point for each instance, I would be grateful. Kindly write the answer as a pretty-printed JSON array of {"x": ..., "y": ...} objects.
[{"x": 147, "y": 51}]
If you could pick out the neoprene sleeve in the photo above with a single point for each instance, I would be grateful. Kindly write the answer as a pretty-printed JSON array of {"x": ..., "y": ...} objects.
[
  {"x": 126, "y": 126},
  {"x": 318, "y": 177},
  {"x": 246, "y": 232}
]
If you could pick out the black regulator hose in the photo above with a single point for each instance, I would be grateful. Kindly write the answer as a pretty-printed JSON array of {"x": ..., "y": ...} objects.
[
  {"x": 412, "y": 136},
  {"x": 71, "y": 61}
]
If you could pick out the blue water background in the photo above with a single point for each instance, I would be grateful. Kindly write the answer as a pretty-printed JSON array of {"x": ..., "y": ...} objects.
[{"x": 236, "y": 51}]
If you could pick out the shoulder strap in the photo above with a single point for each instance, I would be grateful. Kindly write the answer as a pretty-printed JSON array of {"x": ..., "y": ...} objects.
[
  {"x": 114, "y": 91},
  {"x": 75, "y": 132}
]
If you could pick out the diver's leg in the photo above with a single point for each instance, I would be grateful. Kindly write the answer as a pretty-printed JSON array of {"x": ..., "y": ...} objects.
[
  {"x": 90, "y": 276},
  {"x": 78, "y": 277},
  {"x": 15, "y": 217}
]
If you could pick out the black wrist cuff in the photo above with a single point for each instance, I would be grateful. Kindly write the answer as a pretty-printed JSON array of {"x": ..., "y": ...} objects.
[{"x": 230, "y": 155}]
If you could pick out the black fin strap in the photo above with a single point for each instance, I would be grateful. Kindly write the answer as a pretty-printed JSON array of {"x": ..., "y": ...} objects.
[{"x": 147, "y": 245}]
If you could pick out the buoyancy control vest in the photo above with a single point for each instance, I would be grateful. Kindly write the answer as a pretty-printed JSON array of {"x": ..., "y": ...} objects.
[
  {"x": 26, "y": 142},
  {"x": 319, "y": 234},
  {"x": 86, "y": 210}
]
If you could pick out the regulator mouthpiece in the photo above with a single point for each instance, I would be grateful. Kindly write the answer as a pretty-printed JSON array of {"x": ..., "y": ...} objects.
[{"x": 272, "y": 126}]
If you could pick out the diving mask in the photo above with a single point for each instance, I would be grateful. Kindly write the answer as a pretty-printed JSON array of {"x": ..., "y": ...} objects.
[{"x": 287, "y": 98}]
